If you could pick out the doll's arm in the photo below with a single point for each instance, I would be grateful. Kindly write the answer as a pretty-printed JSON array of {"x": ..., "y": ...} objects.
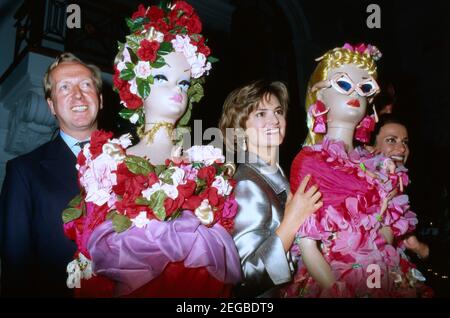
[{"x": 315, "y": 263}]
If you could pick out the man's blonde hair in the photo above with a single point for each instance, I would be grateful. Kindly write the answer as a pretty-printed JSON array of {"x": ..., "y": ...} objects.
[{"x": 65, "y": 58}]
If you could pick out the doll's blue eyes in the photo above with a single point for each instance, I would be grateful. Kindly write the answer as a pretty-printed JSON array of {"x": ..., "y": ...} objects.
[
  {"x": 346, "y": 86},
  {"x": 366, "y": 88}
]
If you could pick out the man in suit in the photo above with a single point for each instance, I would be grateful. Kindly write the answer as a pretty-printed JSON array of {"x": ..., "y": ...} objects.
[{"x": 39, "y": 185}]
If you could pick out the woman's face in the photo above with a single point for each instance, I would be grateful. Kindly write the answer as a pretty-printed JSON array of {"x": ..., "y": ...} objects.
[
  {"x": 168, "y": 95},
  {"x": 266, "y": 125},
  {"x": 345, "y": 108},
  {"x": 392, "y": 141}
]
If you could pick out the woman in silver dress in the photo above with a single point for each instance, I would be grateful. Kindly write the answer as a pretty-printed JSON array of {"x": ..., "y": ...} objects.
[{"x": 254, "y": 123}]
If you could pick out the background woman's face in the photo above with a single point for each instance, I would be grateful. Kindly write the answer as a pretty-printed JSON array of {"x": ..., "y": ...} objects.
[
  {"x": 168, "y": 94},
  {"x": 392, "y": 141},
  {"x": 266, "y": 125},
  {"x": 345, "y": 108}
]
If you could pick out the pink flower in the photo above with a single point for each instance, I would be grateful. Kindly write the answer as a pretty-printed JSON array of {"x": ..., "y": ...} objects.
[
  {"x": 99, "y": 179},
  {"x": 205, "y": 154},
  {"x": 230, "y": 208}
]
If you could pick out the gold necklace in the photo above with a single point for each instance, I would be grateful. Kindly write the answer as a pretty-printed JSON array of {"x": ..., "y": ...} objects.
[{"x": 150, "y": 134}]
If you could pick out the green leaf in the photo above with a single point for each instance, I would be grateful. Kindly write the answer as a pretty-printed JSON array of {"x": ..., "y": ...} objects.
[
  {"x": 159, "y": 169},
  {"x": 143, "y": 88},
  {"x": 166, "y": 176},
  {"x": 133, "y": 56},
  {"x": 111, "y": 214},
  {"x": 165, "y": 48},
  {"x": 157, "y": 204},
  {"x": 212, "y": 59},
  {"x": 195, "y": 92},
  {"x": 127, "y": 74},
  {"x": 129, "y": 65},
  {"x": 136, "y": 24},
  {"x": 126, "y": 113},
  {"x": 184, "y": 121},
  {"x": 201, "y": 185},
  {"x": 196, "y": 37},
  {"x": 142, "y": 201},
  {"x": 120, "y": 223},
  {"x": 70, "y": 214},
  {"x": 75, "y": 201},
  {"x": 159, "y": 62},
  {"x": 138, "y": 165}
]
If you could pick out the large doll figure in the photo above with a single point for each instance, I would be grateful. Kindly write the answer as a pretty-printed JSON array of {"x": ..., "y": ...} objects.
[
  {"x": 350, "y": 247},
  {"x": 149, "y": 223}
]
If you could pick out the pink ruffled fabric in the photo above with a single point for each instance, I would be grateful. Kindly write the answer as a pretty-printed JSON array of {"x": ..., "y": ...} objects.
[
  {"x": 139, "y": 255},
  {"x": 348, "y": 224}
]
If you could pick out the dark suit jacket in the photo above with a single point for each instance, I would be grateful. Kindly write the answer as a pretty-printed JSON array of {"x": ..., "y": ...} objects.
[{"x": 34, "y": 249}]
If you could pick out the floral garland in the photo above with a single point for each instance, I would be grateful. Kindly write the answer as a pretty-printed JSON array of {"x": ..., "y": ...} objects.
[
  {"x": 131, "y": 191},
  {"x": 155, "y": 32}
]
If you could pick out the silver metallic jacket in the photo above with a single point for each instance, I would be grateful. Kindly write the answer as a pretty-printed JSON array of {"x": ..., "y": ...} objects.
[{"x": 261, "y": 194}]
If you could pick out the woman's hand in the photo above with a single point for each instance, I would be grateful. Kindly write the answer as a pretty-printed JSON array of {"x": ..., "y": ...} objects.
[{"x": 298, "y": 208}]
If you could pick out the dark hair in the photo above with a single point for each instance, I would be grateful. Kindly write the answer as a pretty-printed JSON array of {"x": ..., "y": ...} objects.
[{"x": 385, "y": 119}]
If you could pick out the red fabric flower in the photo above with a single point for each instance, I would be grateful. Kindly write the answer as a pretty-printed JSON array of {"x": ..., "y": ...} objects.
[
  {"x": 155, "y": 13},
  {"x": 160, "y": 26},
  {"x": 185, "y": 7},
  {"x": 139, "y": 13},
  {"x": 207, "y": 173},
  {"x": 98, "y": 139},
  {"x": 192, "y": 203},
  {"x": 192, "y": 24},
  {"x": 118, "y": 82},
  {"x": 202, "y": 48},
  {"x": 147, "y": 50},
  {"x": 131, "y": 101}
]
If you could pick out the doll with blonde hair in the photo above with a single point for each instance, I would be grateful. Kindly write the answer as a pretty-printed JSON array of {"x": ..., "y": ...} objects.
[{"x": 349, "y": 247}]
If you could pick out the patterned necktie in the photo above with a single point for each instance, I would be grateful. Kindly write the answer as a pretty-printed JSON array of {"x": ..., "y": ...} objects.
[{"x": 82, "y": 143}]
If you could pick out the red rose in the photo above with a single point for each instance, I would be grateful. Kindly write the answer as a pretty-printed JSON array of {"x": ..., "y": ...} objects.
[
  {"x": 131, "y": 101},
  {"x": 207, "y": 173},
  {"x": 155, "y": 13},
  {"x": 212, "y": 196},
  {"x": 227, "y": 224},
  {"x": 98, "y": 139},
  {"x": 192, "y": 203},
  {"x": 184, "y": 6},
  {"x": 171, "y": 205},
  {"x": 160, "y": 26},
  {"x": 193, "y": 24},
  {"x": 123, "y": 175},
  {"x": 118, "y": 82},
  {"x": 186, "y": 190},
  {"x": 152, "y": 178},
  {"x": 139, "y": 13},
  {"x": 201, "y": 47},
  {"x": 147, "y": 50}
]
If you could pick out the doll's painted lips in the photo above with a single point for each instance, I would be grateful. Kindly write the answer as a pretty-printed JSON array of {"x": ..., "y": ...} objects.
[{"x": 353, "y": 103}]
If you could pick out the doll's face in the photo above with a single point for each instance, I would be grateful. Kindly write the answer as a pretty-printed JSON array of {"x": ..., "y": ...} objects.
[
  {"x": 392, "y": 141},
  {"x": 168, "y": 94},
  {"x": 345, "y": 94},
  {"x": 266, "y": 125}
]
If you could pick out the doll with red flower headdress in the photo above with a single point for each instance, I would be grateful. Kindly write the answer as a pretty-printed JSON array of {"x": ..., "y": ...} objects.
[
  {"x": 350, "y": 247},
  {"x": 150, "y": 221}
]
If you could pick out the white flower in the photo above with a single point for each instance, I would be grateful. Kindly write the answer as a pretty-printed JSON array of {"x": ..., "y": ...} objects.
[
  {"x": 134, "y": 118},
  {"x": 121, "y": 66},
  {"x": 222, "y": 186},
  {"x": 99, "y": 179},
  {"x": 133, "y": 86},
  {"x": 199, "y": 65},
  {"x": 141, "y": 220},
  {"x": 204, "y": 213},
  {"x": 178, "y": 176},
  {"x": 170, "y": 190},
  {"x": 197, "y": 61},
  {"x": 142, "y": 69},
  {"x": 124, "y": 141},
  {"x": 205, "y": 154},
  {"x": 126, "y": 54},
  {"x": 79, "y": 268}
]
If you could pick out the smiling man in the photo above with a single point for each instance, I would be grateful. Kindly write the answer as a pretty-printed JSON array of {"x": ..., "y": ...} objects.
[{"x": 39, "y": 185}]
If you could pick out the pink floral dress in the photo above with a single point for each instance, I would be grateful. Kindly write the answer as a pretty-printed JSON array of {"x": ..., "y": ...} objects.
[{"x": 353, "y": 186}]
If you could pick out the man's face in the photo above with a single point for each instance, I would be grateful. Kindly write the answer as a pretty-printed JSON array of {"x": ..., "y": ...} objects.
[{"x": 74, "y": 99}]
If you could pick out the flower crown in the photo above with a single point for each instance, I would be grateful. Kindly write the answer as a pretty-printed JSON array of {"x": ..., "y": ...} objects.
[
  {"x": 362, "y": 48},
  {"x": 155, "y": 32}
]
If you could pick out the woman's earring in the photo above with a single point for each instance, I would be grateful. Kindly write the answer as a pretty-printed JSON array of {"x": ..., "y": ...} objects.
[
  {"x": 365, "y": 128},
  {"x": 244, "y": 145},
  {"x": 375, "y": 114}
]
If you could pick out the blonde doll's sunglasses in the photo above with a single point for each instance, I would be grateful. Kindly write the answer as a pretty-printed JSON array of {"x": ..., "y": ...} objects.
[{"x": 344, "y": 85}]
